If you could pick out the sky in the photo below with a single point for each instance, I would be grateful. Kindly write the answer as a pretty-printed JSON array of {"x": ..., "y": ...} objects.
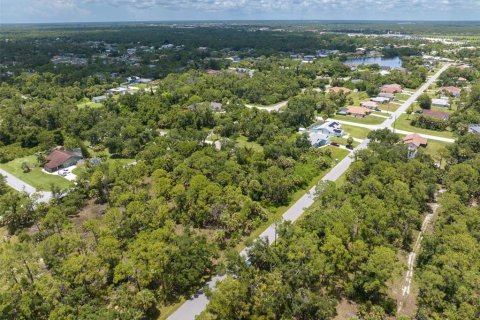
[{"x": 47, "y": 11}]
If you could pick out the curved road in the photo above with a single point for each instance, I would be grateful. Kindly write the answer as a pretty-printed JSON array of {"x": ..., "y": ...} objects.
[{"x": 21, "y": 186}]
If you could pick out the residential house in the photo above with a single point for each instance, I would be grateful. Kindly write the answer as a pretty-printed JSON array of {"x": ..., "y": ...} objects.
[
  {"x": 381, "y": 99},
  {"x": 60, "y": 159},
  {"x": 213, "y": 72},
  {"x": 474, "y": 128},
  {"x": 318, "y": 139},
  {"x": 358, "y": 111},
  {"x": 390, "y": 96},
  {"x": 216, "y": 106},
  {"x": 440, "y": 103},
  {"x": 339, "y": 89},
  {"x": 369, "y": 104},
  {"x": 98, "y": 99},
  {"x": 329, "y": 129},
  {"x": 391, "y": 88},
  {"x": 454, "y": 91},
  {"x": 437, "y": 114},
  {"x": 414, "y": 142}
]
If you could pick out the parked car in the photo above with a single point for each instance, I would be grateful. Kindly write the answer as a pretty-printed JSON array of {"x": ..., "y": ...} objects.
[
  {"x": 334, "y": 144},
  {"x": 419, "y": 111},
  {"x": 350, "y": 147}
]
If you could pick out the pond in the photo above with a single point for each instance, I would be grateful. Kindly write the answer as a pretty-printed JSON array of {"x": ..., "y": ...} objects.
[{"x": 390, "y": 63}]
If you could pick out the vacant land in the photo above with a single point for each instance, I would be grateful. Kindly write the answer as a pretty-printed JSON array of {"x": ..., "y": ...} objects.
[
  {"x": 242, "y": 141},
  {"x": 356, "y": 132},
  {"x": 403, "y": 123},
  {"x": 36, "y": 178},
  {"x": 366, "y": 120},
  {"x": 89, "y": 104}
]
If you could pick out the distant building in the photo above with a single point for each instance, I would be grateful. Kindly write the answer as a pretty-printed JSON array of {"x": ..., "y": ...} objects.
[
  {"x": 454, "y": 91},
  {"x": 369, "y": 104},
  {"x": 329, "y": 129},
  {"x": 216, "y": 106},
  {"x": 390, "y": 96},
  {"x": 358, "y": 111},
  {"x": 60, "y": 159},
  {"x": 339, "y": 89},
  {"x": 99, "y": 98},
  {"x": 213, "y": 72},
  {"x": 440, "y": 103},
  {"x": 317, "y": 139},
  {"x": 381, "y": 99},
  {"x": 474, "y": 128},
  {"x": 414, "y": 142},
  {"x": 391, "y": 88},
  {"x": 437, "y": 114}
]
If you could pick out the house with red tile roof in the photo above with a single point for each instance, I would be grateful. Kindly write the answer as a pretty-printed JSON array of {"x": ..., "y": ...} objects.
[
  {"x": 436, "y": 114},
  {"x": 391, "y": 88},
  {"x": 415, "y": 140},
  {"x": 454, "y": 91},
  {"x": 358, "y": 111}
]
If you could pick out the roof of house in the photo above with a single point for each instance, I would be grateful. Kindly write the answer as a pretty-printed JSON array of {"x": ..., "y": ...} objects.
[
  {"x": 58, "y": 157},
  {"x": 380, "y": 99},
  {"x": 211, "y": 71},
  {"x": 415, "y": 139},
  {"x": 451, "y": 89},
  {"x": 369, "y": 104},
  {"x": 391, "y": 88},
  {"x": 474, "y": 128},
  {"x": 437, "y": 114},
  {"x": 358, "y": 110},
  {"x": 339, "y": 89},
  {"x": 440, "y": 102},
  {"x": 316, "y": 137}
]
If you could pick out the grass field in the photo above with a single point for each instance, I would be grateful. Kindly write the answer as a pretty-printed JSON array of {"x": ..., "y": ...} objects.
[
  {"x": 356, "y": 132},
  {"x": 389, "y": 106},
  {"x": 36, "y": 178},
  {"x": 242, "y": 141},
  {"x": 366, "y": 120},
  {"x": 89, "y": 104},
  {"x": 402, "y": 96},
  {"x": 403, "y": 123}
]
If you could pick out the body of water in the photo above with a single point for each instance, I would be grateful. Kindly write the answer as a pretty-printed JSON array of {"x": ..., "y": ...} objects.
[{"x": 382, "y": 62}]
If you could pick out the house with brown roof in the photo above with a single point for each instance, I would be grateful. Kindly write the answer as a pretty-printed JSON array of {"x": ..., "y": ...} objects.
[
  {"x": 454, "y": 91},
  {"x": 358, "y": 111},
  {"x": 415, "y": 140},
  {"x": 437, "y": 114},
  {"x": 60, "y": 159},
  {"x": 391, "y": 88},
  {"x": 339, "y": 89},
  {"x": 369, "y": 104}
]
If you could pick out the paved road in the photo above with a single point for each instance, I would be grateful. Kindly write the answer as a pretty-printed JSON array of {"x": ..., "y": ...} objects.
[
  {"x": 196, "y": 305},
  {"x": 389, "y": 122},
  {"x": 21, "y": 186},
  {"x": 276, "y": 107}
]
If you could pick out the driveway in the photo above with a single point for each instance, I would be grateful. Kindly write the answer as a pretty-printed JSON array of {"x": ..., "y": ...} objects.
[{"x": 21, "y": 186}]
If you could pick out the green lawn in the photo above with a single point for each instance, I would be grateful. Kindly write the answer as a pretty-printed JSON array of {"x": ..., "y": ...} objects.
[
  {"x": 443, "y": 109},
  {"x": 242, "y": 141},
  {"x": 356, "y": 132},
  {"x": 89, "y": 104},
  {"x": 433, "y": 147},
  {"x": 389, "y": 106},
  {"x": 402, "y": 96},
  {"x": 403, "y": 123},
  {"x": 36, "y": 178},
  {"x": 366, "y": 120}
]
